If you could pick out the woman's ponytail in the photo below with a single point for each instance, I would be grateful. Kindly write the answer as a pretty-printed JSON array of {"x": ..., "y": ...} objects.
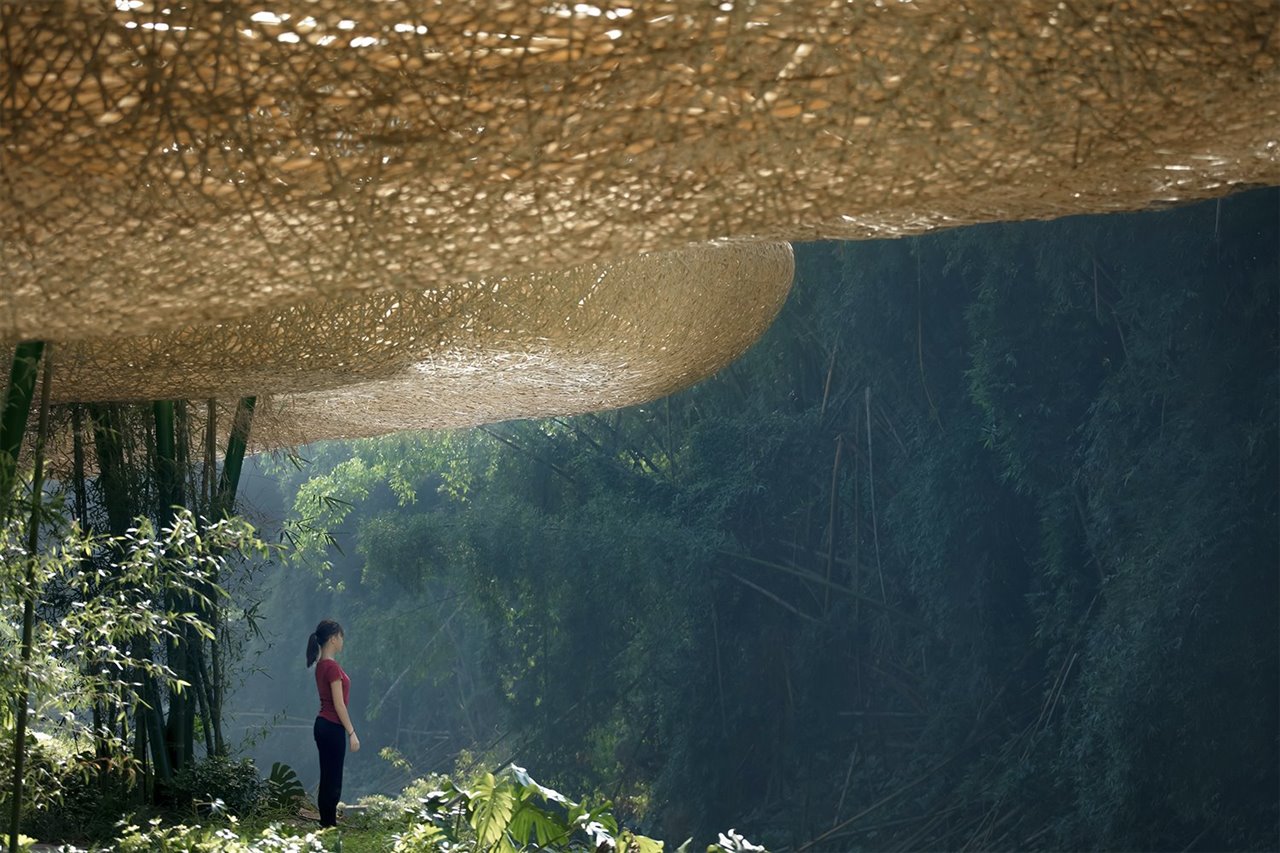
[{"x": 326, "y": 629}]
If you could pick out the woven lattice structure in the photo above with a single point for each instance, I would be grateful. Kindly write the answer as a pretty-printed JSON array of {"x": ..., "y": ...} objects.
[
  {"x": 188, "y": 165},
  {"x": 588, "y": 338}
]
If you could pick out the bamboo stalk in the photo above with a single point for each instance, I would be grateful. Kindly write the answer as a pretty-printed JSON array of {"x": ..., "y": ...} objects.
[
  {"x": 876, "y": 805},
  {"x": 771, "y": 596},
  {"x": 166, "y": 461},
  {"x": 237, "y": 443},
  {"x": 82, "y": 513},
  {"x": 813, "y": 577},
  {"x": 166, "y": 476},
  {"x": 525, "y": 451},
  {"x": 853, "y": 755},
  {"x": 77, "y": 475},
  {"x": 199, "y": 687},
  {"x": 223, "y": 500},
  {"x": 210, "y": 457},
  {"x": 213, "y": 728},
  {"x": 109, "y": 445},
  {"x": 831, "y": 369},
  {"x": 140, "y": 746},
  {"x": 871, "y": 477},
  {"x": 831, "y": 524},
  {"x": 857, "y": 529},
  {"x": 13, "y": 421},
  {"x": 153, "y": 719},
  {"x": 28, "y": 608},
  {"x": 715, "y": 635},
  {"x": 216, "y": 687},
  {"x": 182, "y": 454},
  {"x": 924, "y": 383}
]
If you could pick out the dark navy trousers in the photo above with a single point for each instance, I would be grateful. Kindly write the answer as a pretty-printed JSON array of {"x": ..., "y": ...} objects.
[{"x": 331, "y": 741}]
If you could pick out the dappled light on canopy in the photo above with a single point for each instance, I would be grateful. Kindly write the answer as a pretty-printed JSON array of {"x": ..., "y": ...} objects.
[
  {"x": 207, "y": 174},
  {"x": 592, "y": 337}
]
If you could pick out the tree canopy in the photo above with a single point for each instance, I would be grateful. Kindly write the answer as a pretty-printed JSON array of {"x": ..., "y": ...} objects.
[{"x": 975, "y": 547}]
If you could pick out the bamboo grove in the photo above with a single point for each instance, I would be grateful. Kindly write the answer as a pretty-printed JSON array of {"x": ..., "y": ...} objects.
[
  {"x": 126, "y": 486},
  {"x": 153, "y": 469},
  {"x": 975, "y": 549}
]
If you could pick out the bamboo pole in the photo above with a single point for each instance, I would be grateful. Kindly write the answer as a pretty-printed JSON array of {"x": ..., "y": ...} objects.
[
  {"x": 183, "y": 496},
  {"x": 108, "y": 443},
  {"x": 831, "y": 524},
  {"x": 166, "y": 474},
  {"x": 229, "y": 482},
  {"x": 82, "y": 514},
  {"x": 207, "y": 478},
  {"x": 223, "y": 499},
  {"x": 151, "y": 717},
  {"x": 28, "y": 607},
  {"x": 818, "y": 580},
  {"x": 166, "y": 460},
  {"x": 13, "y": 421},
  {"x": 871, "y": 488},
  {"x": 200, "y": 684}
]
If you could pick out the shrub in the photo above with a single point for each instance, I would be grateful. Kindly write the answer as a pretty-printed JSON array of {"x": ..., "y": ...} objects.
[
  {"x": 218, "y": 784},
  {"x": 88, "y": 806},
  {"x": 44, "y": 779}
]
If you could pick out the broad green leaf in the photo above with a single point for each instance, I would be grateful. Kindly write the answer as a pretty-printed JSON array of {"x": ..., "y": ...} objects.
[
  {"x": 639, "y": 843},
  {"x": 492, "y": 805},
  {"x": 532, "y": 823}
]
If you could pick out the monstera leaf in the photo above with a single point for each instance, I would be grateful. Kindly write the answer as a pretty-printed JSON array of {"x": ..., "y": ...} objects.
[
  {"x": 284, "y": 789},
  {"x": 492, "y": 804}
]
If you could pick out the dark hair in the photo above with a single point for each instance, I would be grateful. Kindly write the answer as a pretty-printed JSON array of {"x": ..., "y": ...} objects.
[{"x": 326, "y": 629}]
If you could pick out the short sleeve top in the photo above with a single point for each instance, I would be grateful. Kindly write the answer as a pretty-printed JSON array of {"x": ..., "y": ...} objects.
[{"x": 327, "y": 672}]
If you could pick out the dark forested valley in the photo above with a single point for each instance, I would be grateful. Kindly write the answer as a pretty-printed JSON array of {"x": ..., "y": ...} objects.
[{"x": 977, "y": 548}]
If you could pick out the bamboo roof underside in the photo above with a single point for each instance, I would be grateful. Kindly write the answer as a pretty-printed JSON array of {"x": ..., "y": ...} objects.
[{"x": 385, "y": 215}]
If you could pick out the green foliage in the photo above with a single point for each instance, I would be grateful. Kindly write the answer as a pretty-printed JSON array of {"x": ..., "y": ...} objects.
[
  {"x": 91, "y": 651},
  {"x": 283, "y": 791},
  {"x": 158, "y": 838},
  {"x": 734, "y": 842},
  {"x": 219, "y": 785},
  {"x": 511, "y": 811},
  {"x": 88, "y": 805},
  {"x": 397, "y": 462},
  {"x": 491, "y": 808},
  {"x": 977, "y": 545},
  {"x": 507, "y": 811}
]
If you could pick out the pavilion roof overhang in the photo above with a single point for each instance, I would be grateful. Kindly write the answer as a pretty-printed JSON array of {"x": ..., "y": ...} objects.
[{"x": 181, "y": 177}]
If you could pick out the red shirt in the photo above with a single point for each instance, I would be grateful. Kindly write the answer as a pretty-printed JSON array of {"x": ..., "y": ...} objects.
[{"x": 327, "y": 672}]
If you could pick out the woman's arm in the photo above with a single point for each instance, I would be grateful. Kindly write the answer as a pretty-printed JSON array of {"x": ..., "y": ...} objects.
[{"x": 340, "y": 706}]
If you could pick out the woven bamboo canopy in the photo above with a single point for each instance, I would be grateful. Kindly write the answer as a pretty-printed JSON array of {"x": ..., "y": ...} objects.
[
  {"x": 588, "y": 338},
  {"x": 417, "y": 213}
]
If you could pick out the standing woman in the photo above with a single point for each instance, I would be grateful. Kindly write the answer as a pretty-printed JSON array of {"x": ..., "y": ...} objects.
[{"x": 333, "y": 729}]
